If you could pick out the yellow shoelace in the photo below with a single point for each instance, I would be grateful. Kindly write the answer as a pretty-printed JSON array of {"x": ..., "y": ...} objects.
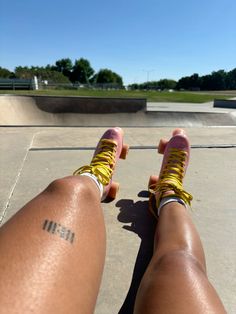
[
  {"x": 103, "y": 163},
  {"x": 171, "y": 179}
]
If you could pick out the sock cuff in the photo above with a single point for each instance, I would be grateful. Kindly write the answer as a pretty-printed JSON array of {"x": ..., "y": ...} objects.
[
  {"x": 169, "y": 199},
  {"x": 95, "y": 179}
]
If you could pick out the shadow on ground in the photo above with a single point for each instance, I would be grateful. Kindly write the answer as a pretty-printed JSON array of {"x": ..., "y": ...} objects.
[{"x": 143, "y": 224}]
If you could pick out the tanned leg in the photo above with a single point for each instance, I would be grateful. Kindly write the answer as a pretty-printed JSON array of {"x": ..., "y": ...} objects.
[
  {"x": 176, "y": 280},
  {"x": 52, "y": 251}
]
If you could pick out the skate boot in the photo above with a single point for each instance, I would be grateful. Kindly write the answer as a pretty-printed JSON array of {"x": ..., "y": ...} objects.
[
  {"x": 174, "y": 165},
  {"x": 109, "y": 149}
]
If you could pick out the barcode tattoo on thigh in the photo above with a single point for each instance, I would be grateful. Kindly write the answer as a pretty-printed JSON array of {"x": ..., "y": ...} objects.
[{"x": 58, "y": 229}]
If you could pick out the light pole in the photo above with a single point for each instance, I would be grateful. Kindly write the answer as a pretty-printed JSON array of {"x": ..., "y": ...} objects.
[{"x": 148, "y": 72}]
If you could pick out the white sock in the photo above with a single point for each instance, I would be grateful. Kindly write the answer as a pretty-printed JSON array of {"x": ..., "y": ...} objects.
[
  {"x": 94, "y": 178},
  {"x": 169, "y": 199}
]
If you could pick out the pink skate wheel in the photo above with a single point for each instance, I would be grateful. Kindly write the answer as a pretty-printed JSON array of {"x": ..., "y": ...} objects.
[
  {"x": 124, "y": 151},
  {"x": 113, "y": 190},
  {"x": 162, "y": 146},
  {"x": 152, "y": 180},
  {"x": 178, "y": 132}
]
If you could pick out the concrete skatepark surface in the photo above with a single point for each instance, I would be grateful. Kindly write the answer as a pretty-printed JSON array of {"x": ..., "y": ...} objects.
[
  {"x": 25, "y": 111},
  {"x": 31, "y": 157}
]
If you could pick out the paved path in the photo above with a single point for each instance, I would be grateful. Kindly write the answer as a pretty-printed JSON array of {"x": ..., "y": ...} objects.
[{"x": 187, "y": 107}]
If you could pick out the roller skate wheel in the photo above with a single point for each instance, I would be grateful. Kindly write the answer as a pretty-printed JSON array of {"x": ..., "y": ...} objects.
[
  {"x": 178, "y": 132},
  {"x": 124, "y": 151},
  {"x": 113, "y": 190},
  {"x": 162, "y": 146},
  {"x": 152, "y": 180}
]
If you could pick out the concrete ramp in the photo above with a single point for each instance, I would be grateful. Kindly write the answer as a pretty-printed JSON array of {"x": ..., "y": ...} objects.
[
  {"x": 62, "y": 111},
  {"x": 16, "y": 110},
  {"x": 225, "y": 103}
]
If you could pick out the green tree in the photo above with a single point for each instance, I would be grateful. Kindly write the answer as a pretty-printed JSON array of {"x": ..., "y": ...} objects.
[
  {"x": 214, "y": 81},
  {"x": 23, "y": 72},
  {"x": 82, "y": 71},
  {"x": 189, "y": 82},
  {"x": 206, "y": 82},
  {"x": 230, "y": 79},
  {"x": 64, "y": 66},
  {"x": 134, "y": 86},
  {"x": 5, "y": 73},
  {"x": 43, "y": 73},
  {"x": 149, "y": 85},
  {"x": 155, "y": 85},
  {"x": 106, "y": 76},
  {"x": 167, "y": 84},
  {"x": 218, "y": 80},
  {"x": 55, "y": 77}
]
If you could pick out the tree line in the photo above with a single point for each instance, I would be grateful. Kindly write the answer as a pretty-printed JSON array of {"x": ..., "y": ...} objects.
[
  {"x": 155, "y": 85},
  {"x": 217, "y": 80},
  {"x": 65, "y": 71}
]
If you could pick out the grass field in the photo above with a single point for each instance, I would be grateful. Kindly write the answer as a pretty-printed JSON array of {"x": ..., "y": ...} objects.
[{"x": 151, "y": 96}]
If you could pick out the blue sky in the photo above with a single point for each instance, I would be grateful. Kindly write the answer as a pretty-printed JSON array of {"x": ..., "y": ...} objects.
[{"x": 139, "y": 40}]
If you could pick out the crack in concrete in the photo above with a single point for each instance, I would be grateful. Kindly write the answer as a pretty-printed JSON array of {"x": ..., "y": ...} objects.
[
  {"x": 135, "y": 147},
  {"x": 16, "y": 181}
]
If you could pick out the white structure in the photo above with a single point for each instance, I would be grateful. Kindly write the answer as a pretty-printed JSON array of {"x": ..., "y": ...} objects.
[{"x": 35, "y": 83}]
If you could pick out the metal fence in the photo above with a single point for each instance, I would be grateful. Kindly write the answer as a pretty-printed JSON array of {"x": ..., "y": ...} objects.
[
  {"x": 16, "y": 84},
  {"x": 106, "y": 86},
  {"x": 27, "y": 84}
]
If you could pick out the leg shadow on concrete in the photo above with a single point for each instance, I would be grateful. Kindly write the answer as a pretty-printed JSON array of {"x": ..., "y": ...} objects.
[{"x": 143, "y": 224}]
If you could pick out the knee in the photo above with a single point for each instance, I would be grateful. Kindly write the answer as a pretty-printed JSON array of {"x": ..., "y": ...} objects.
[
  {"x": 71, "y": 186},
  {"x": 179, "y": 261}
]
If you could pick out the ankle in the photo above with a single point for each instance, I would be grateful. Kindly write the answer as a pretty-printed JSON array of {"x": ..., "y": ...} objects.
[
  {"x": 170, "y": 199},
  {"x": 167, "y": 194},
  {"x": 94, "y": 180}
]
